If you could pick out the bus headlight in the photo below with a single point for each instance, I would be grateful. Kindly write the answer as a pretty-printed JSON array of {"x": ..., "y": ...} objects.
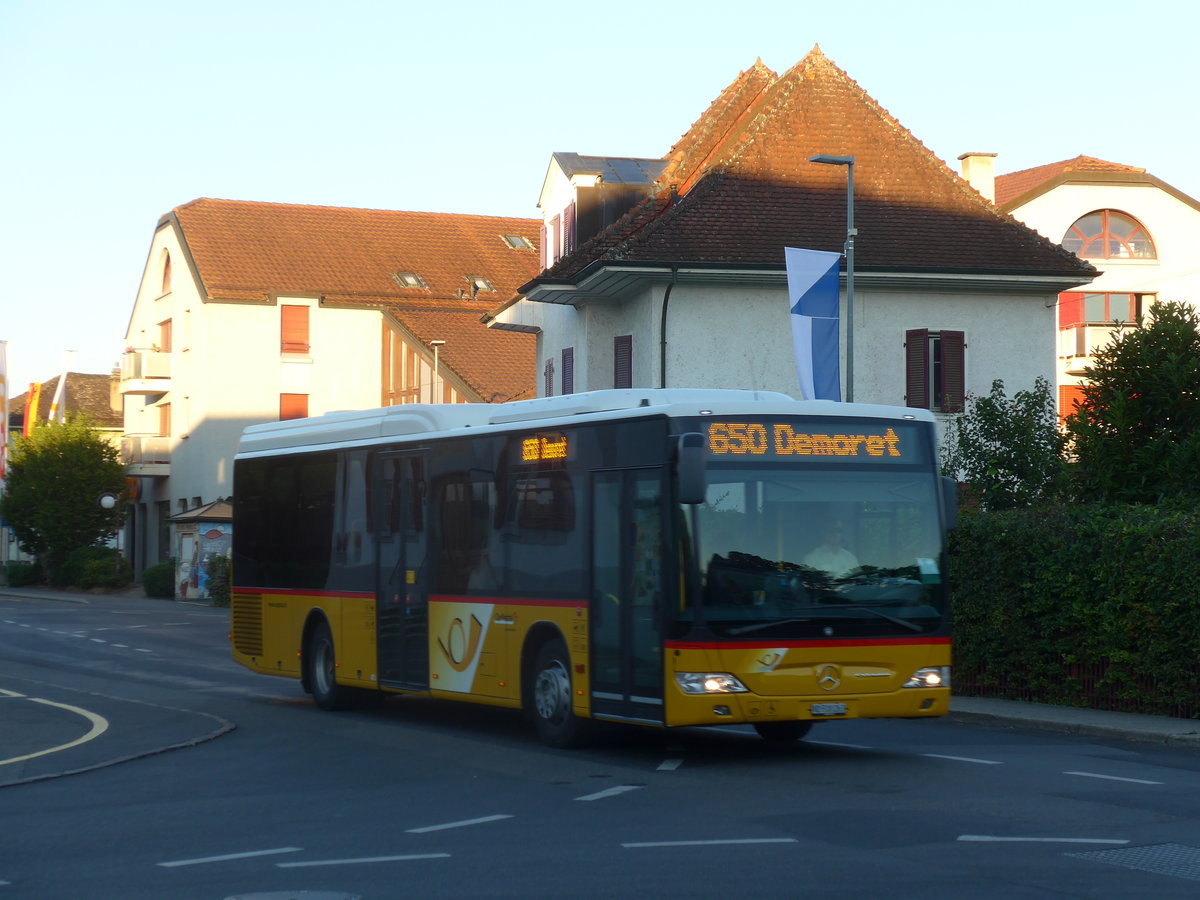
[
  {"x": 930, "y": 676},
  {"x": 709, "y": 683}
]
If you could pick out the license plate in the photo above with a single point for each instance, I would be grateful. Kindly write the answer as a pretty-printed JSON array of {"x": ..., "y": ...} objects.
[{"x": 828, "y": 709}]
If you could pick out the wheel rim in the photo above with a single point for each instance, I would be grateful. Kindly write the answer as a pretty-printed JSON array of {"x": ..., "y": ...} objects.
[
  {"x": 552, "y": 692},
  {"x": 323, "y": 667}
]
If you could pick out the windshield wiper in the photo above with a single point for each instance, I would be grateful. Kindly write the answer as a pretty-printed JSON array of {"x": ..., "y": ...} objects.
[{"x": 759, "y": 626}]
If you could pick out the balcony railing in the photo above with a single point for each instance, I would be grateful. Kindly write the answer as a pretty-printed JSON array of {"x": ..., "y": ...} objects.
[
  {"x": 1077, "y": 344},
  {"x": 146, "y": 454},
  {"x": 145, "y": 372}
]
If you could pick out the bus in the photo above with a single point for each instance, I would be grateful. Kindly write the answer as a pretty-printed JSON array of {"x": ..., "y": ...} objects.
[{"x": 661, "y": 557}]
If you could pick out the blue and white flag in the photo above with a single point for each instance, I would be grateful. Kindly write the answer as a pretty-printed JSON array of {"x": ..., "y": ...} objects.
[{"x": 813, "y": 299}]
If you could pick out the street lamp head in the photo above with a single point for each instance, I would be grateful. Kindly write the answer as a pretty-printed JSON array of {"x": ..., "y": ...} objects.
[
  {"x": 832, "y": 160},
  {"x": 437, "y": 343}
]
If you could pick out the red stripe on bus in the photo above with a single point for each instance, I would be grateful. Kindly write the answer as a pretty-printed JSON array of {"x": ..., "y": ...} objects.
[
  {"x": 302, "y": 592},
  {"x": 504, "y": 601},
  {"x": 824, "y": 642}
]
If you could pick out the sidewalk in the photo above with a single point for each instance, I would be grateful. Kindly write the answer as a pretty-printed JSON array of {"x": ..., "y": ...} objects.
[{"x": 1072, "y": 720}]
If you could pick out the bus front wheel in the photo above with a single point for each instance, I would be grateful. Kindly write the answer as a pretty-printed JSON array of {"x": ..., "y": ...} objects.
[
  {"x": 322, "y": 671},
  {"x": 782, "y": 732},
  {"x": 555, "y": 720}
]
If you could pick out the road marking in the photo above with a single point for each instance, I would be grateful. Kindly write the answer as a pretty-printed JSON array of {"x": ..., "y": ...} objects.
[
  {"x": 838, "y": 744},
  {"x": 463, "y": 824},
  {"x": 360, "y": 861},
  {"x": 122, "y": 646},
  {"x": 970, "y": 759},
  {"x": 1112, "y": 777},
  {"x": 610, "y": 792},
  {"x": 710, "y": 843},
  {"x": 99, "y": 726},
  {"x": 991, "y": 838},
  {"x": 670, "y": 765},
  {"x": 140, "y": 650},
  {"x": 98, "y": 640},
  {"x": 225, "y": 857}
]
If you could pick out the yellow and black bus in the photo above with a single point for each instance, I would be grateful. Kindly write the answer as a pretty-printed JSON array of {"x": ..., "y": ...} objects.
[{"x": 663, "y": 557}]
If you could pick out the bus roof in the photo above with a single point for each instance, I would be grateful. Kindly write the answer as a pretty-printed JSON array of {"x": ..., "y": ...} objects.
[{"x": 439, "y": 420}]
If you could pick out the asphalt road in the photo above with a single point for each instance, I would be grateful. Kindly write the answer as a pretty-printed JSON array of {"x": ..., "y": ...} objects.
[{"x": 197, "y": 779}]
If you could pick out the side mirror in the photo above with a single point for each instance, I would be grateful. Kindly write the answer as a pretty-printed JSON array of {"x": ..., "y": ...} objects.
[
  {"x": 691, "y": 476},
  {"x": 949, "y": 502}
]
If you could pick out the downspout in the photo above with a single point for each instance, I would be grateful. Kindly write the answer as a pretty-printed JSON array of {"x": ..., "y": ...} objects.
[{"x": 662, "y": 330}]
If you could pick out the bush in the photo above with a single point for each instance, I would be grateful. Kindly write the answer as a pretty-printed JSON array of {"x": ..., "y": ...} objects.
[
  {"x": 159, "y": 580},
  {"x": 1092, "y": 605},
  {"x": 96, "y": 567},
  {"x": 20, "y": 574},
  {"x": 218, "y": 579}
]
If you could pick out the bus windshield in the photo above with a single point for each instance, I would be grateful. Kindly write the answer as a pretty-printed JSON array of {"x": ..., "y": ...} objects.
[{"x": 786, "y": 552}]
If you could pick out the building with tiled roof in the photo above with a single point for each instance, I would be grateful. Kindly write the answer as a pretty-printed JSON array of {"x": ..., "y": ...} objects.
[
  {"x": 688, "y": 287},
  {"x": 94, "y": 397},
  {"x": 1142, "y": 234},
  {"x": 251, "y": 312}
]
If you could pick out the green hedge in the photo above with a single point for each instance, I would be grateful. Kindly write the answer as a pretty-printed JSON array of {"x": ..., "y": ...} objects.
[
  {"x": 158, "y": 580},
  {"x": 96, "y": 567},
  {"x": 1081, "y": 605},
  {"x": 20, "y": 574}
]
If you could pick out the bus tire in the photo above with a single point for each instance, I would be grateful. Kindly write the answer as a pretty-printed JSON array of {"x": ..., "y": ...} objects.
[
  {"x": 782, "y": 732},
  {"x": 553, "y": 716},
  {"x": 322, "y": 671}
]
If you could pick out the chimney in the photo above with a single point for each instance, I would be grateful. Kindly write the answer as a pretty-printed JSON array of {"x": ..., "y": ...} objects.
[{"x": 979, "y": 171}]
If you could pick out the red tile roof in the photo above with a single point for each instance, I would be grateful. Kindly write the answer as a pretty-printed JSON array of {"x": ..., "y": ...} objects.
[
  {"x": 256, "y": 251},
  {"x": 755, "y": 192},
  {"x": 1015, "y": 184}
]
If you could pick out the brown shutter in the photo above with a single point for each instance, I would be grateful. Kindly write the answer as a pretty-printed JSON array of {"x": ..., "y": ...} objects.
[
  {"x": 555, "y": 239},
  {"x": 548, "y": 378},
  {"x": 623, "y": 361},
  {"x": 293, "y": 406},
  {"x": 954, "y": 371},
  {"x": 1069, "y": 398},
  {"x": 569, "y": 229},
  {"x": 568, "y": 370},
  {"x": 916, "y": 368},
  {"x": 164, "y": 336},
  {"x": 293, "y": 333}
]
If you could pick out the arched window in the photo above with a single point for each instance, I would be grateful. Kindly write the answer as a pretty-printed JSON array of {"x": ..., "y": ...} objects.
[
  {"x": 1108, "y": 234},
  {"x": 166, "y": 272}
]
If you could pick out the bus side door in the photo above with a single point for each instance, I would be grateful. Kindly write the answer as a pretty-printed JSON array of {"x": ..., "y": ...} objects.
[
  {"x": 626, "y": 600},
  {"x": 401, "y": 593}
]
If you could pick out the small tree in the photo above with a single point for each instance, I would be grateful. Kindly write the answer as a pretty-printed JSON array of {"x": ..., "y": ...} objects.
[
  {"x": 1009, "y": 452},
  {"x": 1136, "y": 432},
  {"x": 56, "y": 477}
]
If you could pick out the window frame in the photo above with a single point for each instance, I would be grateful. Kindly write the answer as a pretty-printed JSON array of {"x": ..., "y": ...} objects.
[
  {"x": 935, "y": 369},
  {"x": 1107, "y": 239}
]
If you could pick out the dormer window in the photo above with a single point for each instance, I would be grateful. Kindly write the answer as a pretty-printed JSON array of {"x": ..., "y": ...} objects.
[
  {"x": 409, "y": 280},
  {"x": 517, "y": 242},
  {"x": 1108, "y": 234},
  {"x": 479, "y": 283}
]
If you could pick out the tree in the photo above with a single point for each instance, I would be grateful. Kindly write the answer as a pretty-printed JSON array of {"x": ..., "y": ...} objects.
[
  {"x": 56, "y": 478},
  {"x": 1009, "y": 452},
  {"x": 1135, "y": 434}
]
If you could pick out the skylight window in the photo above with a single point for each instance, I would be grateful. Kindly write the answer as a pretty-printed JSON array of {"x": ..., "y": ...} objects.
[
  {"x": 479, "y": 283},
  {"x": 517, "y": 242},
  {"x": 409, "y": 280}
]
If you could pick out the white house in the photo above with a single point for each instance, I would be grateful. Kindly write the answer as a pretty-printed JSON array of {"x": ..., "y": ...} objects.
[
  {"x": 252, "y": 312},
  {"x": 688, "y": 287}
]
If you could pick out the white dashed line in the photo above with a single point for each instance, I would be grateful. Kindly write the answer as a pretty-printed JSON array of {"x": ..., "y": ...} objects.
[
  {"x": 1112, "y": 777},
  {"x": 969, "y": 759},
  {"x": 991, "y": 838},
  {"x": 611, "y": 792},
  {"x": 366, "y": 859},
  {"x": 463, "y": 824},
  {"x": 670, "y": 765},
  {"x": 225, "y": 857},
  {"x": 838, "y": 744}
]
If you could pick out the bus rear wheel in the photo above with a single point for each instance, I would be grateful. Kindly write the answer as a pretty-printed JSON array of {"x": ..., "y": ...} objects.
[
  {"x": 782, "y": 732},
  {"x": 322, "y": 671},
  {"x": 553, "y": 716}
]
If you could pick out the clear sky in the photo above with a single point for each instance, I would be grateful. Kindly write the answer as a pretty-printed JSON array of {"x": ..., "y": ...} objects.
[{"x": 113, "y": 113}]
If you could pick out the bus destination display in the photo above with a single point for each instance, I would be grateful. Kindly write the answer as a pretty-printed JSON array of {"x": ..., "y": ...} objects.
[{"x": 861, "y": 442}]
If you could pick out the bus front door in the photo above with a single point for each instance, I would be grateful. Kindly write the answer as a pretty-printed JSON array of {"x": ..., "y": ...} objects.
[
  {"x": 625, "y": 610},
  {"x": 401, "y": 593}
]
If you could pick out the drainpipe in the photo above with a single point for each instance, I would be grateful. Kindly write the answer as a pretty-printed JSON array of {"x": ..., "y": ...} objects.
[{"x": 662, "y": 331}]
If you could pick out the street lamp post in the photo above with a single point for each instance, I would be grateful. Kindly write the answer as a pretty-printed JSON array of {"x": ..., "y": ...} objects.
[
  {"x": 433, "y": 381},
  {"x": 851, "y": 231}
]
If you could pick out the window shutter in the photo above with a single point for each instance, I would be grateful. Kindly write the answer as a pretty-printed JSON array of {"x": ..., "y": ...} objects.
[
  {"x": 1070, "y": 309},
  {"x": 293, "y": 406},
  {"x": 555, "y": 239},
  {"x": 569, "y": 229},
  {"x": 293, "y": 334},
  {"x": 1069, "y": 398},
  {"x": 623, "y": 361},
  {"x": 164, "y": 336},
  {"x": 548, "y": 376},
  {"x": 954, "y": 372},
  {"x": 916, "y": 368},
  {"x": 544, "y": 248},
  {"x": 164, "y": 419},
  {"x": 568, "y": 370}
]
